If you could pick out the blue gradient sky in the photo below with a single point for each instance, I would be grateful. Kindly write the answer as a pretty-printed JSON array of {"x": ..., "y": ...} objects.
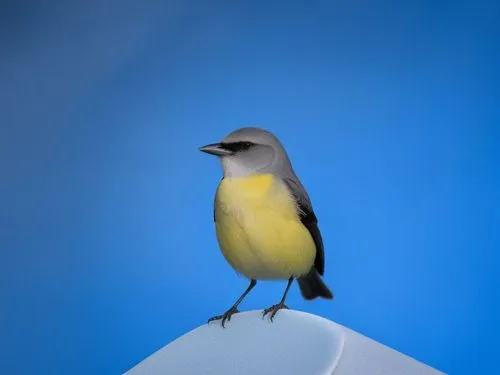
[{"x": 389, "y": 112}]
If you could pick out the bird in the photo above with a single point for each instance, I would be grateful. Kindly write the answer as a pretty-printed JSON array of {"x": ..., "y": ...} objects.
[{"x": 265, "y": 224}]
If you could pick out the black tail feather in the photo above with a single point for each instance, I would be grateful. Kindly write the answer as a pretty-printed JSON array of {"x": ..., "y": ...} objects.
[{"x": 311, "y": 286}]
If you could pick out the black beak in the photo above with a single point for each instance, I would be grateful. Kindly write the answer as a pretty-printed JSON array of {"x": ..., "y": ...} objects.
[{"x": 215, "y": 149}]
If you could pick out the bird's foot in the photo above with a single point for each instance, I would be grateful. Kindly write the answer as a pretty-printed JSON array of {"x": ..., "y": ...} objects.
[
  {"x": 226, "y": 317},
  {"x": 273, "y": 310}
]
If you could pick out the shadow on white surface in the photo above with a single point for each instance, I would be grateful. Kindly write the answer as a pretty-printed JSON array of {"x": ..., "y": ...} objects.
[{"x": 296, "y": 343}]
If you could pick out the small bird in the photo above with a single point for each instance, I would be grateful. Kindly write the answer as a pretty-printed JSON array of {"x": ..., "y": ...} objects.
[{"x": 265, "y": 224}]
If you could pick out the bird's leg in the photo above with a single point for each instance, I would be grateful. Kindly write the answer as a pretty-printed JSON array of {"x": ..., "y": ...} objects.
[
  {"x": 234, "y": 309},
  {"x": 274, "y": 308}
]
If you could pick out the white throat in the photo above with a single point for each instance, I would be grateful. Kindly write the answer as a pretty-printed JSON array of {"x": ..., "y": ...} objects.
[{"x": 232, "y": 167}]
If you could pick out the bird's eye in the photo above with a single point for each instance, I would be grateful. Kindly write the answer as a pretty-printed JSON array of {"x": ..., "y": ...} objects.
[{"x": 237, "y": 146}]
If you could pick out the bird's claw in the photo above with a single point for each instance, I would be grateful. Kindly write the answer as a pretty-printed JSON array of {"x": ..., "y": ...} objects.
[
  {"x": 273, "y": 310},
  {"x": 226, "y": 317}
]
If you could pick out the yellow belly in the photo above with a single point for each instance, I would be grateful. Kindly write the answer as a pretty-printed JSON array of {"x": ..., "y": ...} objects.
[{"x": 259, "y": 231}]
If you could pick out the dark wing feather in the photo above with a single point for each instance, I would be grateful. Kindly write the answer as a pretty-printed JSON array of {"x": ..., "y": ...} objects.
[{"x": 308, "y": 218}]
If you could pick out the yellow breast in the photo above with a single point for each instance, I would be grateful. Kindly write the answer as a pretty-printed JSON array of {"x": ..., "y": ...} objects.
[{"x": 258, "y": 229}]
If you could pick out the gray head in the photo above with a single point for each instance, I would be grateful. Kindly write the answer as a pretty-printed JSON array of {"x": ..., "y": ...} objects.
[{"x": 248, "y": 151}]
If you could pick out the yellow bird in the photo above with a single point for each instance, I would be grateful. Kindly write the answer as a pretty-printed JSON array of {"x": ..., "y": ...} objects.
[{"x": 264, "y": 220}]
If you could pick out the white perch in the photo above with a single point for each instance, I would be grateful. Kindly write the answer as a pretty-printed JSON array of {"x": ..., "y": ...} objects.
[{"x": 296, "y": 343}]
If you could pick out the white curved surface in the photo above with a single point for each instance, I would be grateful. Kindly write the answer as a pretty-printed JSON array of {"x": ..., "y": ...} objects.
[{"x": 295, "y": 343}]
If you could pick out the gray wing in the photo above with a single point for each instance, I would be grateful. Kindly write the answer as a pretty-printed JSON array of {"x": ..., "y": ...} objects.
[{"x": 309, "y": 220}]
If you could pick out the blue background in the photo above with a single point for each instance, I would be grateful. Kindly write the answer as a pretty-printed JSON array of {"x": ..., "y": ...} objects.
[{"x": 389, "y": 111}]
